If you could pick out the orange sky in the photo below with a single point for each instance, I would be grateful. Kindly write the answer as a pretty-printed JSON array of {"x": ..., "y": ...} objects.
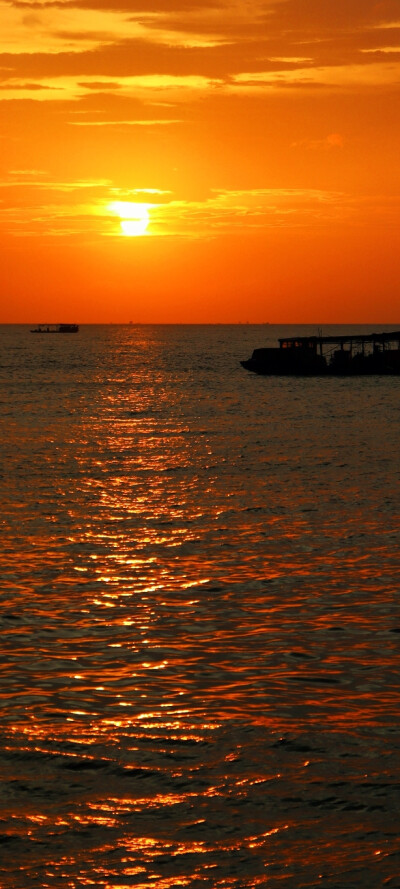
[{"x": 200, "y": 160}]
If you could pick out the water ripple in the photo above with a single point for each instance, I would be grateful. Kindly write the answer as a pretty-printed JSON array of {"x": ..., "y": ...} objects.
[{"x": 199, "y": 617}]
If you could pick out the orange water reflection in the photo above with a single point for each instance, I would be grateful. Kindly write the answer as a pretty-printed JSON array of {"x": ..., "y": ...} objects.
[{"x": 199, "y": 624}]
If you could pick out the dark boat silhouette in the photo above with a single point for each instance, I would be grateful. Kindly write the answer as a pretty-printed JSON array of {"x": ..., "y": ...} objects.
[
  {"x": 56, "y": 328},
  {"x": 372, "y": 353}
]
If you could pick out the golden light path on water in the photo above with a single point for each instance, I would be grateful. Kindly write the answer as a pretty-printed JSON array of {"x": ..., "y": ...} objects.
[{"x": 199, "y": 617}]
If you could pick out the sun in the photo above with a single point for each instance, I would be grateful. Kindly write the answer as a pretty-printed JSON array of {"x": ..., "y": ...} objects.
[
  {"x": 134, "y": 227},
  {"x": 134, "y": 217}
]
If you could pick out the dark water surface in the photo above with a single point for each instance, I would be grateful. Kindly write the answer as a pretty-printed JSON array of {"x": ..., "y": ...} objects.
[{"x": 200, "y": 629}]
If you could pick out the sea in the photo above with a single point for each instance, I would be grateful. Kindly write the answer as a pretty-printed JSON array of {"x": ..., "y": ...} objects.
[{"x": 199, "y": 614}]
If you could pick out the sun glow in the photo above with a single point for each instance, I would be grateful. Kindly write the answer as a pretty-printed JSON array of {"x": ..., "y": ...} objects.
[{"x": 134, "y": 217}]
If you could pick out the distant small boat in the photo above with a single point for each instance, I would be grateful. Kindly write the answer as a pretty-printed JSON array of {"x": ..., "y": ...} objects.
[
  {"x": 56, "y": 328},
  {"x": 354, "y": 354}
]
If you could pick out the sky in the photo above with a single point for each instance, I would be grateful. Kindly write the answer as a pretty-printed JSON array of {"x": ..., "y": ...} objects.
[{"x": 200, "y": 161}]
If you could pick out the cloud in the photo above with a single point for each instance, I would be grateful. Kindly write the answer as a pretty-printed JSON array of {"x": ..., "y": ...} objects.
[
  {"x": 183, "y": 47},
  {"x": 125, "y": 123},
  {"x": 146, "y": 88},
  {"x": 25, "y": 88},
  {"x": 60, "y": 28},
  {"x": 30, "y": 211},
  {"x": 343, "y": 77},
  {"x": 27, "y": 172},
  {"x": 333, "y": 141}
]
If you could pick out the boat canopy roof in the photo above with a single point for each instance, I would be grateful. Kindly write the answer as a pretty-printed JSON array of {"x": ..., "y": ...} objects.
[{"x": 309, "y": 341}]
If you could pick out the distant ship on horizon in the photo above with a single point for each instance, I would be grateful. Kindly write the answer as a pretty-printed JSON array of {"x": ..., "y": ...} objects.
[{"x": 56, "y": 328}]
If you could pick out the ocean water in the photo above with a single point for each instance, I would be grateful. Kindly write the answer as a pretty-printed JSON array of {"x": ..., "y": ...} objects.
[{"x": 200, "y": 629}]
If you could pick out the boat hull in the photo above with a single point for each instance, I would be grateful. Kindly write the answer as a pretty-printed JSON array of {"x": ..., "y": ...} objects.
[
  {"x": 384, "y": 364},
  {"x": 282, "y": 362},
  {"x": 358, "y": 355}
]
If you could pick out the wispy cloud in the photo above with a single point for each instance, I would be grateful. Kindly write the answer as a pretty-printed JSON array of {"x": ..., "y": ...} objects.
[
  {"x": 125, "y": 123},
  {"x": 146, "y": 88},
  {"x": 30, "y": 212},
  {"x": 328, "y": 143},
  {"x": 341, "y": 77}
]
